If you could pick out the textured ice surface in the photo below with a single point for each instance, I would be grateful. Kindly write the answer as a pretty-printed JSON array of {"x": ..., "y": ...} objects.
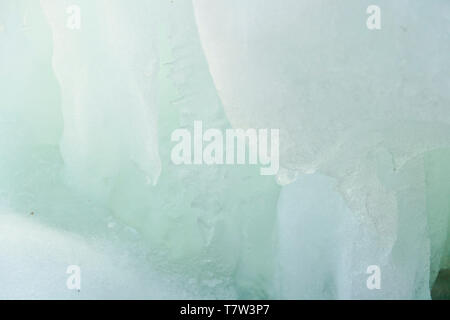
[
  {"x": 85, "y": 124},
  {"x": 36, "y": 257},
  {"x": 368, "y": 109},
  {"x": 104, "y": 158}
]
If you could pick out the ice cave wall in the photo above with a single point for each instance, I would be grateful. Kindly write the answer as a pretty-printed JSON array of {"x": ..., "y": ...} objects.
[
  {"x": 86, "y": 119},
  {"x": 368, "y": 109},
  {"x": 119, "y": 87}
]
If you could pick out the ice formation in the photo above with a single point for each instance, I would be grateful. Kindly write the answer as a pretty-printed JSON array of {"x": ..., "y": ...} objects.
[
  {"x": 86, "y": 175},
  {"x": 368, "y": 109}
]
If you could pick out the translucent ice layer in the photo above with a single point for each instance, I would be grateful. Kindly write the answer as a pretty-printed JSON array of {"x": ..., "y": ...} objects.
[
  {"x": 86, "y": 178},
  {"x": 369, "y": 109},
  {"x": 107, "y": 159}
]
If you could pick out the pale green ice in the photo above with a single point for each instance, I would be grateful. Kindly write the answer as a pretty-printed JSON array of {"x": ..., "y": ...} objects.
[{"x": 86, "y": 178}]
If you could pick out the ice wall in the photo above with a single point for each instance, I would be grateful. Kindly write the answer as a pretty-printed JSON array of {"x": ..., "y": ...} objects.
[
  {"x": 86, "y": 177},
  {"x": 130, "y": 76},
  {"x": 368, "y": 109}
]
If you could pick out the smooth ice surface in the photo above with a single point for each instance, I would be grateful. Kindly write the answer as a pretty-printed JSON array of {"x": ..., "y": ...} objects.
[{"x": 86, "y": 177}]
